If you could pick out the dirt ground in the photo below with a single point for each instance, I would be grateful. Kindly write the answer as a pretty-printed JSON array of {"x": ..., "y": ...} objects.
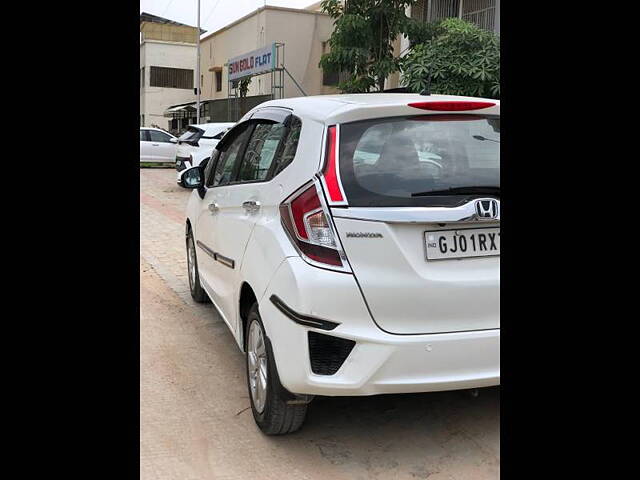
[{"x": 195, "y": 417}]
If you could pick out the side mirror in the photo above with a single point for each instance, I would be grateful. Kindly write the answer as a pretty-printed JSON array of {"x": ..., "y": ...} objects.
[
  {"x": 192, "y": 177},
  {"x": 173, "y": 140}
]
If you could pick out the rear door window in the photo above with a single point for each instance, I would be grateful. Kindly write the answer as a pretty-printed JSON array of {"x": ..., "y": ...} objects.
[
  {"x": 289, "y": 147},
  {"x": 261, "y": 151},
  {"x": 395, "y": 161},
  {"x": 144, "y": 137},
  {"x": 160, "y": 137},
  {"x": 230, "y": 155}
]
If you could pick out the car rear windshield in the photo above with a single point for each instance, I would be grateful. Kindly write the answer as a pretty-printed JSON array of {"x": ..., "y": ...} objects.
[
  {"x": 192, "y": 134},
  {"x": 401, "y": 161}
]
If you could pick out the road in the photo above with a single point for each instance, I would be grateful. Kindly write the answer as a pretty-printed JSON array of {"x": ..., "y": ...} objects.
[{"x": 195, "y": 421}]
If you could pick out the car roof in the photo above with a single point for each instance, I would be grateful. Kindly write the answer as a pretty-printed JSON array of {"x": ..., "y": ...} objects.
[{"x": 351, "y": 107}]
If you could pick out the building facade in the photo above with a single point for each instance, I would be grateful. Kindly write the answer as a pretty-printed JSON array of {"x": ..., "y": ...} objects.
[
  {"x": 304, "y": 34},
  {"x": 167, "y": 67},
  {"x": 168, "y": 57}
]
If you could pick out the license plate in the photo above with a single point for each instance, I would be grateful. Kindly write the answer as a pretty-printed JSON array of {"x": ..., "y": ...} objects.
[{"x": 473, "y": 242}]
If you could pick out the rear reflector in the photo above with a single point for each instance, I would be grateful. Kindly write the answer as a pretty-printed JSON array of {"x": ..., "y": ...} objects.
[
  {"x": 330, "y": 168},
  {"x": 451, "y": 106}
]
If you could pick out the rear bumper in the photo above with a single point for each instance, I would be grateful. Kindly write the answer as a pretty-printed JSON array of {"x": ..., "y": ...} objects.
[{"x": 379, "y": 362}]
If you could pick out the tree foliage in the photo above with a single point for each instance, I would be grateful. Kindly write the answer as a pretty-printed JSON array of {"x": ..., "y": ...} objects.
[
  {"x": 462, "y": 59},
  {"x": 243, "y": 85},
  {"x": 361, "y": 44}
]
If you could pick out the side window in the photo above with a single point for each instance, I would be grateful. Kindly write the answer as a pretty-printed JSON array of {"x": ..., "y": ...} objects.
[
  {"x": 143, "y": 136},
  {"x": 229, "y": 156},
  {"x": 211, "y": 165},
  {"x": 157, "y": 136},
  {"x": 260, "y": 151},
  {"x": 290, "y": 146}
]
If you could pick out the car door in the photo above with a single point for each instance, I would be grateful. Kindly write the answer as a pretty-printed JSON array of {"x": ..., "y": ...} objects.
[
  {"x": 163, "y": 149},
  {"x": 207, "y": 230},
  {"x": 241, "y": 204},
  {"x": 145, "y": 147}
]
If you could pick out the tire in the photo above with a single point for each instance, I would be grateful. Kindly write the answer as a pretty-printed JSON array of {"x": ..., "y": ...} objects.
[
  {"x": 271, "y": 410},
  {"x": 197, "y": 292}
]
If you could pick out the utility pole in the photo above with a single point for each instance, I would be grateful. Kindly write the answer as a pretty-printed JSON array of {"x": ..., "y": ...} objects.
[{"x": 198, "y": 70}]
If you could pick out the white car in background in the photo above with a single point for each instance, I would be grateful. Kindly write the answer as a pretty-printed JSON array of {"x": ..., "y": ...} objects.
[
  {"x": 351, "y": 243},
  {"x": 197, "y": 143},
  {"x": 157, "y": 146}
]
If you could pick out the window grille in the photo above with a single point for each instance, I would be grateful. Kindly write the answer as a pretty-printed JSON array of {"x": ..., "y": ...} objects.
[{"x": 171, "y": 77}]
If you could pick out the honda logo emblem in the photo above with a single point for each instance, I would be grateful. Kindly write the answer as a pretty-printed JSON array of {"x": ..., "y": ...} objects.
[{"x": 487, "y": 208}]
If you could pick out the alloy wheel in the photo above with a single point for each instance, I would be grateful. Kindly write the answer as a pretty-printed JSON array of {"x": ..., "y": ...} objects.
[{"x": 257, "y": 366}]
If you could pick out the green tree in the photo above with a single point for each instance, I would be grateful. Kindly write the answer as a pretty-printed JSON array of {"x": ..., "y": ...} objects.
[
  {"x": 361, "y": 44},
  {"x": 242, "y": 85},
  {"x": 461, "y": 58}
]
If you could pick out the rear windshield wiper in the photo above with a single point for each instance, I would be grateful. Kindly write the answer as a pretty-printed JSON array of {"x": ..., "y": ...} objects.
[
  {"x": 460, "y": 191},
  {"x": 482, "y": 139}
]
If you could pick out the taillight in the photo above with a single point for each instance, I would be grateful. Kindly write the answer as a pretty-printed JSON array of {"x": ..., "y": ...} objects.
[
  {"x": 330, "y": 173},
  {"x": 453, "y": 106},
  {"x": 308, "y": 224}
]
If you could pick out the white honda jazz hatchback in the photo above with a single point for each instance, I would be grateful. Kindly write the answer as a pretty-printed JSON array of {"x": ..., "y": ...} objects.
[
  {"x": 196, "y": 144},
  {"x": 352, "y": 245}
]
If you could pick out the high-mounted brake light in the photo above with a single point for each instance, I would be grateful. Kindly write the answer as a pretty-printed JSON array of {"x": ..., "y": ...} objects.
[
  {"x": 307, "y": 222},
  {"x": 330, "y": 172},
  {"x": 451, "y": 106}
]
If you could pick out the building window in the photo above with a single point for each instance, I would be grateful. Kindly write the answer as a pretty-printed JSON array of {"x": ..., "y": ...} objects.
[
  {"x": 330, "y": 79},
  {"x": 441, "y": 9},
  {"x": 171, "y": 77},
  {"x": 205, "y": 111},
  {"x": 480, "y": 12},
  {"x": 142, "y": 78},
  {"x": 218, "y": 80}
]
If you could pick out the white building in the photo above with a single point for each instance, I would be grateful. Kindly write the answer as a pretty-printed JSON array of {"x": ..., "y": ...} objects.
[
  {"x": 302, "y": 35},
  {"x": 167, "y": 67}
]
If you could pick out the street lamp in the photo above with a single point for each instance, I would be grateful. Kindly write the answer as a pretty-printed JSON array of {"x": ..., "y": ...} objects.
[{"x": 198, "y": 70}]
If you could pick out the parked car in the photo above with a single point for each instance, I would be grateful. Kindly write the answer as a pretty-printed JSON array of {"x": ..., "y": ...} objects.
[
  {"x": 197, "y": 143},
  {"x": 352, "y": 245},
  {"x": 157, "y": 146}
]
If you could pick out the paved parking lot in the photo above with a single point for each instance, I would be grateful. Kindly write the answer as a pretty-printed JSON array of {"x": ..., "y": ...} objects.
[{"x": 195, "y": 421}]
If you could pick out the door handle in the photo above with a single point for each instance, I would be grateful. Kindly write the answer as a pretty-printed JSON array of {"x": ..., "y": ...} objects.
[
  {"x": 155, "y": 144},
  {"x": 251, "y": 206},
  {"x": 213, "y": 207}
]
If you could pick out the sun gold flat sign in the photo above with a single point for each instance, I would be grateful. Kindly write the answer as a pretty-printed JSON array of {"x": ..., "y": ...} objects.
[{"x": 258, "y": 61}]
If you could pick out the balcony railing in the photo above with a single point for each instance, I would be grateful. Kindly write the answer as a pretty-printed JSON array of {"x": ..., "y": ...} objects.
[{"x": 480, "y": 12}]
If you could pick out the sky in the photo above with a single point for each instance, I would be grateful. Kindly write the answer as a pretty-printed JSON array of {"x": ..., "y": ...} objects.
[{"x": 214, "y": 14}]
